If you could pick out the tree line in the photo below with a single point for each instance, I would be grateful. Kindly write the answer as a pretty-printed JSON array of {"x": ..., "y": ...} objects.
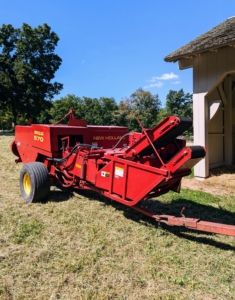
[
  {"x": 105, "y": 111},
  {"x": 27, "y": 67}
]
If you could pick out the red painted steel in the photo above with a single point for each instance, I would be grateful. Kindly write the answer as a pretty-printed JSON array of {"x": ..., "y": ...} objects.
[
  {"x": 191, "y": 223},
  {"x": 124, "y": 166}
]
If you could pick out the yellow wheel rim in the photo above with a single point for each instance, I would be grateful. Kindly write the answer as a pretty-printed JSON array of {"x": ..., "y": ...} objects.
[{"x": 27, "y": 183}]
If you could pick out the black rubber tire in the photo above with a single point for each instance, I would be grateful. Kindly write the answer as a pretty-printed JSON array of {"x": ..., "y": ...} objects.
[{"x": 39, "y": 187}]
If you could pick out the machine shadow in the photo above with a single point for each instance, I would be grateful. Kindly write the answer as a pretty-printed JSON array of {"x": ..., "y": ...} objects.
[
  {"x": 58, "y": 195},
  {"x": 192, "y": 210}
]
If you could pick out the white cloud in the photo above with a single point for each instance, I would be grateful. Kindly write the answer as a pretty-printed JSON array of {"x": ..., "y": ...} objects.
[
  {"x": 165, "y": 76},
  {"x": 157, "y": 84},
  {"x": 176, "y": 82}
]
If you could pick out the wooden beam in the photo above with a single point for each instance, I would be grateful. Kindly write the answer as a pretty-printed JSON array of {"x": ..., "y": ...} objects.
[
  {"x": 213, "y": 107},
  {"x": 222, "y": 94},
  {"x": 185, "y": 63},
  {"x": 228, "y": 130}
]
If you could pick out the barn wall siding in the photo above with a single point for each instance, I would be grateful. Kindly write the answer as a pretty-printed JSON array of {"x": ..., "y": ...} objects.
[{"x": 209, "y": 69}]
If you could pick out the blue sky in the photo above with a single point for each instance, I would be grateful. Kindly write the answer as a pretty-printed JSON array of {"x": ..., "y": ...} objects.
[{"x": 110, "y": 48}]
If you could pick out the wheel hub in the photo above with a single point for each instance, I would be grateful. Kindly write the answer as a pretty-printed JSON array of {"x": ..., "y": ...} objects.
[{"x": 27, "y": 183}]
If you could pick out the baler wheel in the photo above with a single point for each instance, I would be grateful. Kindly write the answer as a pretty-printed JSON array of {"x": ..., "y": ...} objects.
[{"x": 34, "y": 182}]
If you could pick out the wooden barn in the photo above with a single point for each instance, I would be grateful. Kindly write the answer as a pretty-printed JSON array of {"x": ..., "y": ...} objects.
[{"x": 212, "y": 57}]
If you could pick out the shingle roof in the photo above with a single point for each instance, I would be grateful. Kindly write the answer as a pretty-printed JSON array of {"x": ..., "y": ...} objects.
[{"x": 221, "y": 35}]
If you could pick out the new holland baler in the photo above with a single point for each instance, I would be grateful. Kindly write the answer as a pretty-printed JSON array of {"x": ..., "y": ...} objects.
[{"x": 124, "y": 166}]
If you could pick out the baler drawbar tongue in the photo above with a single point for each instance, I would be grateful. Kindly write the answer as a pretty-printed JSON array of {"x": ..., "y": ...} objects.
[{"x": 190, "y": 223}]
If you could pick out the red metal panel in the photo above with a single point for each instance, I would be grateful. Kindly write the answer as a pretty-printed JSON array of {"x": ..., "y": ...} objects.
[
  {"x": 40, "y": 137},
  {"x": 77, "y": 170},
  {"x": 23, "y": 141},
  {"x": 57, "y": 132},
  {"x": 47, "y": 137},
  {"x": 27, "y": 154},
  {"x": 107, "y": 136},
  {"x": 76, "y": 122},
  {"x": 91, "y": 170},
  {"x": 128, "y": 182},
  {"x": 23, "y": 134}
]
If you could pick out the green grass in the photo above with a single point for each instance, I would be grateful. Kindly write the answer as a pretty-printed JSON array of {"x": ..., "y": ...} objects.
[
  {"x": 192, "y": 174},
  {"x": 84, "y": 246}
]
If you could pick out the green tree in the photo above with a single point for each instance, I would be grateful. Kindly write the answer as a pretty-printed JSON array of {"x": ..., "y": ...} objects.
[
  {"x": 108, "y": 110},
  {"x": 27, "y": 67},
  {"x": 90, "y": 110},
  {"x": 144, "y": 106},
  {"x": 179, "y": 104},
  {"x": 61, "y": 107},
  {"x": 162, "y": 114},
  {"x": 5, "y": 120},
  {"x": 96, "y": 111},
  {"x": 124, "y": 115}
]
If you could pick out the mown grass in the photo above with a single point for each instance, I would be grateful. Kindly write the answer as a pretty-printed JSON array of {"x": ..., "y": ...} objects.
[{"x": 84, "y": 246}]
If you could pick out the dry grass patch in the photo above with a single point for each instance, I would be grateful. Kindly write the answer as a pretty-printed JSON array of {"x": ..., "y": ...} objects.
[
  {"x": 223, "y": 177},
  {"x": 220, "y": 182},
  {"x": 83, "y": 246}
]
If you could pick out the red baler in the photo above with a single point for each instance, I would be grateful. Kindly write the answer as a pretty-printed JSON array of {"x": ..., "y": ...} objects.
[{"x": 124, "y": 166}]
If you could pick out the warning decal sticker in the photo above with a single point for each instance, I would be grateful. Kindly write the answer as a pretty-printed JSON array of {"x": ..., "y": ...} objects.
[
  {"x": 105, "y": 174},
  {"x": 119, "y": 171}
]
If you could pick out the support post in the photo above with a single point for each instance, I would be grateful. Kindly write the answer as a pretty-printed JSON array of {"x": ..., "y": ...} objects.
[
  {"x": 200, "y": 124},
  {"x": 228, "y": 136}
]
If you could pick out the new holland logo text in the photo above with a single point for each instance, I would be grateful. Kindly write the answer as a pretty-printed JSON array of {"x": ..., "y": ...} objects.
[{"x": 103, "y": 138}]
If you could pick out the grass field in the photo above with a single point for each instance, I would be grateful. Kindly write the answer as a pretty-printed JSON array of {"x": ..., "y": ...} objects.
[{"x": 83, "y": 246}]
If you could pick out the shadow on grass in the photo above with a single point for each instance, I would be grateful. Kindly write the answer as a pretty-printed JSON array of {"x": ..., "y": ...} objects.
[
  {"x": 222, "y": 170},
  {"x": 59, "y": 195},
  {"x": 5, "y": 133},
  {"x": 192, "y": 210}
]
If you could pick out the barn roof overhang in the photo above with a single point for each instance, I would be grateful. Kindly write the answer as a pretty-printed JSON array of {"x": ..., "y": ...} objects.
[{"x": 220, "y": 36}]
